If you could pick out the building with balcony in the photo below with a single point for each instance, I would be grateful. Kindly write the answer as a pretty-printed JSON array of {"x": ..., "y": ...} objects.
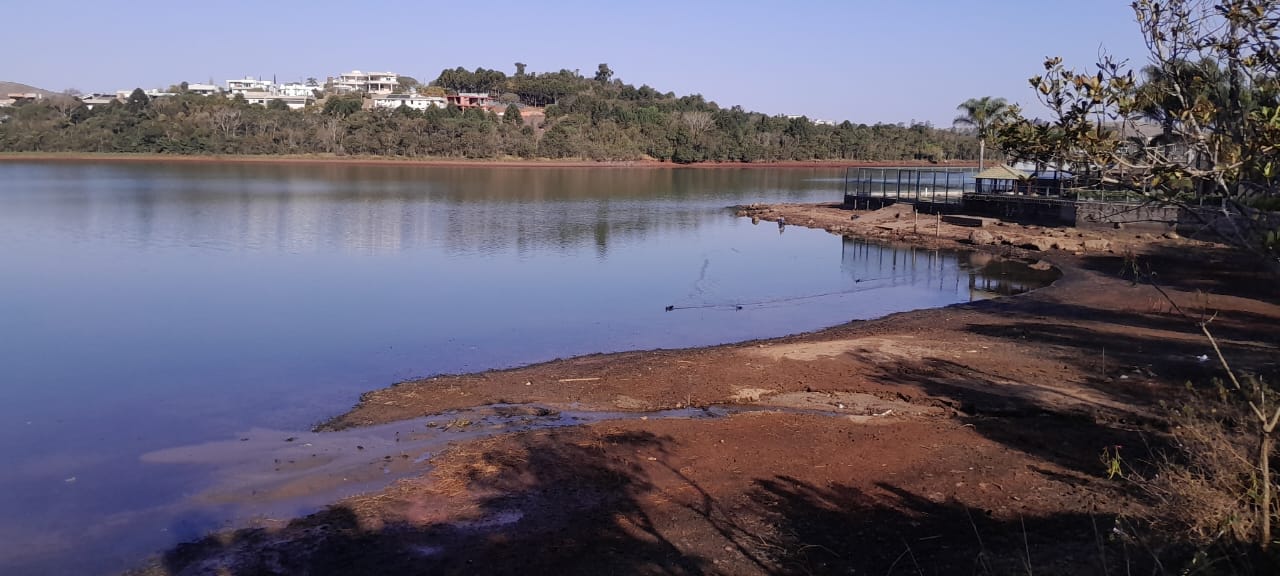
[
  {"x": 248, "y": 84},
  {"x": 367, "y": 82}
]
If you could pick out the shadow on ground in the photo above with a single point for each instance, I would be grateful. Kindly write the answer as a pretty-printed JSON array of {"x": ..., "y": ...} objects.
[
  {"x": 1211, "y": 269},
  {"x": 844, "y": 530},
  {"x": 563, "y": 503}
]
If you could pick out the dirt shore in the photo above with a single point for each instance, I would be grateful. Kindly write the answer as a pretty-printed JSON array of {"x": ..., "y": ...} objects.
[
  {"x": 80, "y": 157},
  {"x": 964, "y": 439}
]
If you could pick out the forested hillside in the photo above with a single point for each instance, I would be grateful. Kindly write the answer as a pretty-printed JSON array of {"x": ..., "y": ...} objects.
[{"x": 598, "y": 118}]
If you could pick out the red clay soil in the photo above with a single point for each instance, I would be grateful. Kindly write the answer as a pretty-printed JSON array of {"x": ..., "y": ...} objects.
[{"x": 964, "y": 439}]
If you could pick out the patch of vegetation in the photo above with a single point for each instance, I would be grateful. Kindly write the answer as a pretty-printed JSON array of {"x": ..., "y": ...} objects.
[{"x": 598, "y": 118}]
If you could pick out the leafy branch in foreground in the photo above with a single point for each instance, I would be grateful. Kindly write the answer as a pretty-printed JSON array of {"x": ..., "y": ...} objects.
[{"x": 1212, "y": 87}]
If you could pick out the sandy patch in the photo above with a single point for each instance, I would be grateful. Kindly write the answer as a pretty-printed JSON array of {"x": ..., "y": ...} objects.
[
  {"x": 875, "y": 349},
  {"x": 750, "y": 394}
]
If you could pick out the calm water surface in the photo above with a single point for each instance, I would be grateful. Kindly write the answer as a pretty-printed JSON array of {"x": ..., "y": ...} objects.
[{"x": 155, "y": 305}]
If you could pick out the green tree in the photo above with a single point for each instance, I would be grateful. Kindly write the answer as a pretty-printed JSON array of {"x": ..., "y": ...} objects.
[
  {"x": 520, "y": 66},
  {"x": 512, "y": 115},
  {"x": 407, "y": 84},
  {"x": 1213, "y": 83},
  {"x": 983, "y": 115},
  {"x": 1169, "y": 92},
  {"x": 138, "y": 101},
  {"x": 341, "y": 106},
  {"x": 610, "y": 121},
  {"x": 603, "y": 74}
]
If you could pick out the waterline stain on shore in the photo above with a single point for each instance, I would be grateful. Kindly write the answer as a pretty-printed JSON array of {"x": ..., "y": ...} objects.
[{"x": 283, "y": 474}]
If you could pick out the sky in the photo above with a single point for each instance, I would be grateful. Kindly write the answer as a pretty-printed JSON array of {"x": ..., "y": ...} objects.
[{"x": 860, "y": 60}]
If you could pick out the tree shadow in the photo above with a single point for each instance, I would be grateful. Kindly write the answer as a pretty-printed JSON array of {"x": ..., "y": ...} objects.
[
  {"x": 550, "y": 503},
  {"x": 571, "y": 503},
  {"x": 1047, "y": 423},
  {"x": 1155, "y": 339},
  {"x": 1210, "y": 269},
  {"x": 839, "y": 529}
]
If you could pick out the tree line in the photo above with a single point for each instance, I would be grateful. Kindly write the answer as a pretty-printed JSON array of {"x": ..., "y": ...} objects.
[{"x": 596, "y": 118}]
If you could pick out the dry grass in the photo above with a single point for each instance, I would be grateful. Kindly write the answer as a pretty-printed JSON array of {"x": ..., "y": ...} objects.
[
  {"x": 485, "y": 461},
  {"x": 1210, "y": 487}
]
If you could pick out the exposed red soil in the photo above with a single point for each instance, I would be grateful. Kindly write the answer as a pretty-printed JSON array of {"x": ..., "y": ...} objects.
[{"x": 1000, "y": 474}]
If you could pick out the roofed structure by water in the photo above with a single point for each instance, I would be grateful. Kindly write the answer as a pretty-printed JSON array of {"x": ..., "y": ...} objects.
[{"x": 1001, "y": 172}]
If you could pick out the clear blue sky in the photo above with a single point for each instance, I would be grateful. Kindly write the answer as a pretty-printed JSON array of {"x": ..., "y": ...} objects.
[{"x": 860, "y": 60}]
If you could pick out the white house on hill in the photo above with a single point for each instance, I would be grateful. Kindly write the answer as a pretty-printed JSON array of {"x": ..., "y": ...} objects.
[
  {"x": 204, "y": 89},
  {"x": 265, "y": 98},
  {"x": 367, "y": 82},
  {"x": 248, "y": 84},
  {"x": 414, "y": 101},
  {"x": 298, "y": 89}
]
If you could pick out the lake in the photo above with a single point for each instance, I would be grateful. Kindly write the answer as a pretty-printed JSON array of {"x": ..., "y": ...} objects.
[{"x": 152, "y": 305}]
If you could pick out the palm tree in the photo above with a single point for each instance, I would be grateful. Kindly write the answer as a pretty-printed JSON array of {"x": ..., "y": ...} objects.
[
  {"x": 982, "y": 113},
  {"x": 1168, "y": 92}
]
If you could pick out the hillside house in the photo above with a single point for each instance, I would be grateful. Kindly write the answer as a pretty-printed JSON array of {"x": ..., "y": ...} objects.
[
  {"x": 20, "y": 98},
  {"x": 93, "y": 100},
  {"x": 204, "y": 89},
  {"x": 470, "y": 99},
  {"x": 414, "y": 101},
  {"x": 123, "y": 95},
  {"x": 298, "y": 89},
  {"x": 367, "y": 82},
  {"x": 266, "y": 98},
  {"x": 247, "y": 84}
]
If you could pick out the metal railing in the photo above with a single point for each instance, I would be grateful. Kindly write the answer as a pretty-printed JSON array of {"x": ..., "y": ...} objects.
[
  {"x": 916, "y": 185},
  {"x": 1107, "y": 196}
]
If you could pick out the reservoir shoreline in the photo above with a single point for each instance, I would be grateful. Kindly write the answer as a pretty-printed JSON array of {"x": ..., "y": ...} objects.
[{"x": 1010, "y": 401}]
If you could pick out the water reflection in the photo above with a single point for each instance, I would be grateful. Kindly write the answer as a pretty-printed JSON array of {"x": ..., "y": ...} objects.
[
  {"x": 387, "y": 209},
  {"x": 981, "y": 275}
]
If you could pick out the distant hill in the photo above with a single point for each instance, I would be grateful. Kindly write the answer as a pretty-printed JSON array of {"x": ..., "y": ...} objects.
[
  {"x": 594, "y": 118},
  {"x": 15, "y": 87}
]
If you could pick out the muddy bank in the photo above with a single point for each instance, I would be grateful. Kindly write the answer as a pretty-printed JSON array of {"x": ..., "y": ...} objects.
[
  {"x": 900, "y": 224},
  {"x": 962, "y": 436}
]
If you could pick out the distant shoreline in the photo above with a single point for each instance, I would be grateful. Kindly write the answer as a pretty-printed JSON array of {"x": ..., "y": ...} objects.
[{"x": 444, "y": 162}]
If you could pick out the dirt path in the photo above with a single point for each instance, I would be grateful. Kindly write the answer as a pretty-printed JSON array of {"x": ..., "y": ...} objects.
[{"x": 960, "y": 439}]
